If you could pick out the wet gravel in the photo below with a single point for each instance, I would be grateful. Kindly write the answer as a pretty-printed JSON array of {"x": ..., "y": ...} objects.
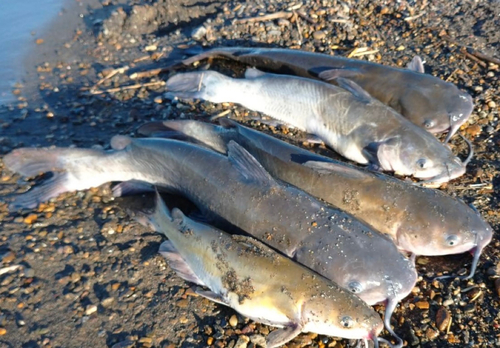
[{"x": 77, "y": 272}]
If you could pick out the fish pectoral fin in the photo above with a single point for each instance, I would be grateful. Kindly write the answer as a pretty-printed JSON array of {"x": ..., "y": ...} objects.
[
  {"x": 330, "y": 167},
  {"x": 355, "y": 89},
  {"x": 248, "y": 166},
  {"x": 333, "y": 74},
  {"x": 212, "y": 296},
  {"x": 178, "y": 264},
  {"x": 416, "y": 64},
  {"x": 132, "y": 187},
  {"x": 281, "y": 336},
  {"x": 252, "y": 73}
]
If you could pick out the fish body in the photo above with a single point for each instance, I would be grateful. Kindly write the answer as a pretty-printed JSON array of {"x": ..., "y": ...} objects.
[
  {"x": 260, "y": 283},
  {"x": 425, "y": 100},
  {"x": 234, "y": 191},
  {"x": 419, "y": 220},
  {"x": 355, "y": 125}
]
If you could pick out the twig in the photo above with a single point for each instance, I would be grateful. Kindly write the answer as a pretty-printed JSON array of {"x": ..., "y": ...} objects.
[
  {"x": 358, "y": 52},
  {"x": 139, "y": 85},
  {"x": 219, "y": 115},
  {"x": 412, "y": 18},
  {"x": 464, "y": 51},
  {"x": 299, "y": 29},
  {"x": 120, "y": 70},
  {"x": 483, "y": 56},
  {"x": 268, "y": 17},
  {"x": 452, "y": 73}
]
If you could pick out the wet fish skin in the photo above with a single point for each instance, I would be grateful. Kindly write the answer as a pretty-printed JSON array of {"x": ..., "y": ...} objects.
[
  {"x": 355, "y": 125},
  {"x": 259, "y": 283},
  {"x": 327, "y": 240},
  {"x": 425, "y": 100},
  {"x": 420, "y": 221}
]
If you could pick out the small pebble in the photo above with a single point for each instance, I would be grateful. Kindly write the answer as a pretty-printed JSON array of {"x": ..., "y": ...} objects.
[
  {"x": 91, "y": 309},
  {"x": 242, "y": 341},
  {"x": 319, "y": 35},
  {"x": 443, "y": 318},
  {"x": 422, "y": 304},
  {"x": 431, "y": 333},
  {"x": 2, "y": 331},
  {"x": 198, "y": 33},
  {"x": 233, "y": 321}
]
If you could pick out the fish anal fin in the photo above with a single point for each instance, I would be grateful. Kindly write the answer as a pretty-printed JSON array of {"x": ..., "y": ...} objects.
[
  {"x": 416, "y": 64},
  {"x": 178, "y": 264},
  {"x": 279, "y": 337},
  {"x": 212, "y": 296},
  {"x": 248, "y": 166},
  {"x": 355, "y": 89}
]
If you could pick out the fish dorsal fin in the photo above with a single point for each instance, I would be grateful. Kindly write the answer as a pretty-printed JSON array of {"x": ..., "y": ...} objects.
[
  {"x": 330, "y": 168},
  {"x": 416, "y": 64},
  {"x": 252, "y": 73},
  {"x": 355, "y": 89},
  {"x": 248, "y": 166}
]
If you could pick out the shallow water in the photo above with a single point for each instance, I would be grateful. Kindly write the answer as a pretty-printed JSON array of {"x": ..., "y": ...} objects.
[{"x": 21, "y": 23}]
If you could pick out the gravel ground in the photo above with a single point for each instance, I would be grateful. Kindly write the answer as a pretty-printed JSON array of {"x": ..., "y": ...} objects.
[{"x": 82, "y": 274}]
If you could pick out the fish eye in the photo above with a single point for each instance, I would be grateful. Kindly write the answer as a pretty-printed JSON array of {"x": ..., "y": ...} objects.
[
  {"x": 422, "y": 163},
  {"x": 355, "y": 287},
  {"x": 429, "y": 123},
  {"x": 346, "y": 321},
  {"x": 452, "y": 240}
]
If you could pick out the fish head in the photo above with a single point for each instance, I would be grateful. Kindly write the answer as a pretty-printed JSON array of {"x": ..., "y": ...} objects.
[
  {"x": 437, "y": 108},
  {"x": 350, "y": 317},
  {"x": 450, "y": 227},
  {"x": 420, "y": 155}
]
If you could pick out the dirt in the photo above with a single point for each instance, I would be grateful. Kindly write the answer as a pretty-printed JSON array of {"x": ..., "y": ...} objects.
[{"x": 91, "y": 277}]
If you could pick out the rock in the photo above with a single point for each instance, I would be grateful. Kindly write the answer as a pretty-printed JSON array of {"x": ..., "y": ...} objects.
[
  {"x": 258, "y": 340},
  {"x": 497, "y": 286},
  {"x": 319, "y": 35},
  {"x": 90, "y": 309},
  {"x": 2, "y": 331},
  {"x": 242, "y": 341},
  {"x": 198, "y": 33},
  {"x": 422, "y": 304},
  {"x": 182, "y": 303},
  {"x": 443, "y": 318},
  {"x": 8, "y": 257},
  {"x": 30, "y": 219},
  {"x": 123, "y": 344},
  {"x": 431, "y": 333},
  {"x": 233, "y": 321}
]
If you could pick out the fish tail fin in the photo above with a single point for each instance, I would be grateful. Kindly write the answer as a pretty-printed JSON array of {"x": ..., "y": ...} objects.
[
  {"x": 159, "y": 218},
  {"x": 67, "y": 165},
  {"x": 207, "y": 85},
  {"x": 202, "y": 133}
]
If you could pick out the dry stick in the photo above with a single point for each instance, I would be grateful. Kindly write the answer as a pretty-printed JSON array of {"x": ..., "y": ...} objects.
[
  {"x": 452, "y": 73},
  {"x": 139, "y": 85},
  {"x": 268, "y": 17},
  {"x": 120, "y": 70},
  {"x": 299, "y": 29},
  {"x": 411, "y": 18},
  {"x": 473, "y": 53},
  {"x": 463, "y": 50}
]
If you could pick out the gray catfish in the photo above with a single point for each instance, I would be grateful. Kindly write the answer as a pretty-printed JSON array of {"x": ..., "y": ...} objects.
[
  {"x": 260, "y": 283},
  {"x": 235, "y": 191},
  {"x": 421, "y": 221},
  {"x": 426, "y": 100},
  {"x": 355, "y": 125}
]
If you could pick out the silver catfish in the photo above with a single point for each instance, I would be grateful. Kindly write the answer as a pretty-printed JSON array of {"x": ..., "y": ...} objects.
[
  {"x": 347, "y": 119},
  {"x": 260, "y": 283},
  {"x": 420, "y": 220},
  {"x": 426, "y": 100},
  {"x": 234, "y": 191}
]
